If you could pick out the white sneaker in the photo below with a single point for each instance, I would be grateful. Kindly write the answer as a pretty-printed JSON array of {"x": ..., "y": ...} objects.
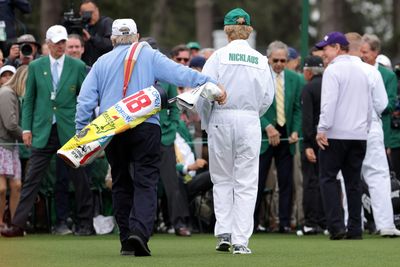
[
  {"x": 224, "y": 242},
  {"x": 391, "y": 232},
  {"x": 240, "y": 249}
]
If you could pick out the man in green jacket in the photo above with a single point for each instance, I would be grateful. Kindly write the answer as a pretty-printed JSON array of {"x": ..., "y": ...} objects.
[
  {"x": 48, "y": 115},
  {"x": 280, "y": 128}
]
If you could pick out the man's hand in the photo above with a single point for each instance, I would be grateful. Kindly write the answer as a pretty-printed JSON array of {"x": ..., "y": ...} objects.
[
  {"x": 322, "y": 141},
  {"x": 273, "y": 135},
  {"x": 310, "y": 155},
  {"x": 27, "y": 137},
  {"x": 14, "y": 52},
  {"x": 293, "y": 138},
  {"x": 85, "y": 35},
  {"x": 222, "y": 98},
  {"x": 199, "y": 163}
]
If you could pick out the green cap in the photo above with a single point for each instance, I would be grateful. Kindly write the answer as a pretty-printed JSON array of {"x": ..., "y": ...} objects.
[
  {"x": 237, "y": 16},
  {"x": 193, "y": 45}
]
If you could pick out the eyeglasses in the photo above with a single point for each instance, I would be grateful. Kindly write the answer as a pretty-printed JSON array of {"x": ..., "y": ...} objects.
[
  {"x": 276, "y": 60},
  {"x": 180, "y": 59}
]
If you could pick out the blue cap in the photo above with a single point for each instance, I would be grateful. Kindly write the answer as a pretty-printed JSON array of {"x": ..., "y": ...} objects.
[
  {"x": 293, "y": 54},
  {"x": 197, "y": 62},
  {"x": 333, "y": 38}
]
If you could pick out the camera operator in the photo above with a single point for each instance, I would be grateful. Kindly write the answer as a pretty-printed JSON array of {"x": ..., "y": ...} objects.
[
  {"x": 97, "y": 33},
  {"x": 23, "y": 51}
]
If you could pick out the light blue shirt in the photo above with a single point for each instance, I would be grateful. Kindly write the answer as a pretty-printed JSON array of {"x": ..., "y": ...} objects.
[{"x": 104, "y": 84}]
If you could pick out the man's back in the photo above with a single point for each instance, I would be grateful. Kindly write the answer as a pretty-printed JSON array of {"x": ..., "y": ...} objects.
[
  {"x": 345, "y": 101},
  {"x": 245, "y": 74}
]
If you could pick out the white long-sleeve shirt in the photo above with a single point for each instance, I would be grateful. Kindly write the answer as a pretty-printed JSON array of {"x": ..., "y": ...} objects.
[
  {"x": 246, "y": 76},
  {"x": 379, "y": 94},
  {"x": 346, "y": 100}
]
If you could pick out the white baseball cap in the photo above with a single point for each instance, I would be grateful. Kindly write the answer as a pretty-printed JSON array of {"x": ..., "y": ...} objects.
[
  {"x": 384, "y": 60},
  {"x": 6, "y": 68},
  {"x": 124, "y": 27},
  {"x": 56, "y": 33}
]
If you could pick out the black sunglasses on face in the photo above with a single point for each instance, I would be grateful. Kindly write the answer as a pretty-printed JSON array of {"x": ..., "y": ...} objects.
[
  {"x": 182, "y": 59},
  {"x": 276, "y": 60}
]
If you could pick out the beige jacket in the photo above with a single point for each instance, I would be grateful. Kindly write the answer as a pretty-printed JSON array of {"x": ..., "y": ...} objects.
[{"x": 10, "y": 131}]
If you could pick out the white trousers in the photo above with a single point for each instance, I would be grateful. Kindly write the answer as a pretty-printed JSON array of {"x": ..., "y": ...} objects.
[
  {"x": 234, "y": 146},
  {"x": 375, "y": 170}
]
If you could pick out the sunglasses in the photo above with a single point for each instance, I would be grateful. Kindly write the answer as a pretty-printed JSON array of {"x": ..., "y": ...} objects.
[
  {"x": 276, "y": 60},
  {"x": 184, "y": 59}
]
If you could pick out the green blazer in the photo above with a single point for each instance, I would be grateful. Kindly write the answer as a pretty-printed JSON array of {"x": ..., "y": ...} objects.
[
  {"x": 38, "y": 109},
  {"x": 391, "y": 136},
  {"x": 169, "y": 117},
  {"x": 293, "y": 84}
]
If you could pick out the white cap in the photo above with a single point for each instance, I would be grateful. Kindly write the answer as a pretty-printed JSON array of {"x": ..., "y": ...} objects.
[
  {"x": 56, "y": 33},
  {"x": 384, "y": 60},
  {"x": 7, "y": 68},
  {"x": 124, "y": 27}
]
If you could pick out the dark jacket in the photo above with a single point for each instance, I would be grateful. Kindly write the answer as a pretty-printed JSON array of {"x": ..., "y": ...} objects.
[
  {"x": 7, "y": 14},
  {"x": 99, "y": 42},
  {"x": 310, "y": 104}
]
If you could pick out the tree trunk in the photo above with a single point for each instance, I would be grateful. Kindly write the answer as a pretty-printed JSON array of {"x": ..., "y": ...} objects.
[
  {"x": 204, "y": 22},
  {"x": 158, "y": 18},
  {"x": 396, "y": 28},
  {"x": 50, "y": 11},
  {"x": 331, "y": 16}
]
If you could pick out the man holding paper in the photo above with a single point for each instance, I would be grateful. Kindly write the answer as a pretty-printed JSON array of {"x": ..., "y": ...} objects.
[{"x": 134, "y": 155}]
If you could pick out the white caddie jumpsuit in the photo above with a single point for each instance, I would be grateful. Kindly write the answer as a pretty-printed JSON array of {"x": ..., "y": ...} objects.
[
  {"x": 375, "y": 168},
  {"x": 234, "y": 134}
]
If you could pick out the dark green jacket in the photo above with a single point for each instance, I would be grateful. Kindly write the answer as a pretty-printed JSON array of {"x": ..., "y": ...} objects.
[
  {"x": 169, "y": 117},
  {"x": 38, "y": 109},
  {"x": 293, "y": 85},
  {"x": 391, "y": 136}
]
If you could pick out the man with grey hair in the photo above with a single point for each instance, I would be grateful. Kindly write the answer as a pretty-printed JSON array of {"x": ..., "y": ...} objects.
[
  {"x": 370, "y": 49},
  {"x": 134, "y": 155},
  {"x": 281, "y": 121},
  {"x": 314, "y": 217},
  {"x": 375, "y": 168}
]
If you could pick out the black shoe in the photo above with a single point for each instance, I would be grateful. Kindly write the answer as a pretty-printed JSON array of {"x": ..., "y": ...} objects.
[
  {"x": 284, "y": 229},
  {"x": 13, "y": 231},
  {"x": 339, "y": 235},
  {"x": 85, "y": 230},
  {"x": 139, "y": 246},
  {"x": 127, "y": 248}
]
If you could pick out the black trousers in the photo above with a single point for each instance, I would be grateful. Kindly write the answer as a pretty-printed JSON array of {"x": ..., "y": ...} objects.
[
  {"x": 312, "y": 202},
  {"x": 178, "y": 208},
  {"x": 395, "y": 161},
  {"x": 284, "y": 166},
  {"x": 347, "y": 156},
  {"x": 39, "y": 160},
  {"x": 134, "y": 157}
]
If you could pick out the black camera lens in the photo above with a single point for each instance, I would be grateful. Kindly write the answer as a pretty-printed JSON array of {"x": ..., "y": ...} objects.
[{"x": 26, "y": 49}]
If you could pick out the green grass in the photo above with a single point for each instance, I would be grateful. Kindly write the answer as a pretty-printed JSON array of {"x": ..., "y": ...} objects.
[{"x": 199, "y": 250}]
